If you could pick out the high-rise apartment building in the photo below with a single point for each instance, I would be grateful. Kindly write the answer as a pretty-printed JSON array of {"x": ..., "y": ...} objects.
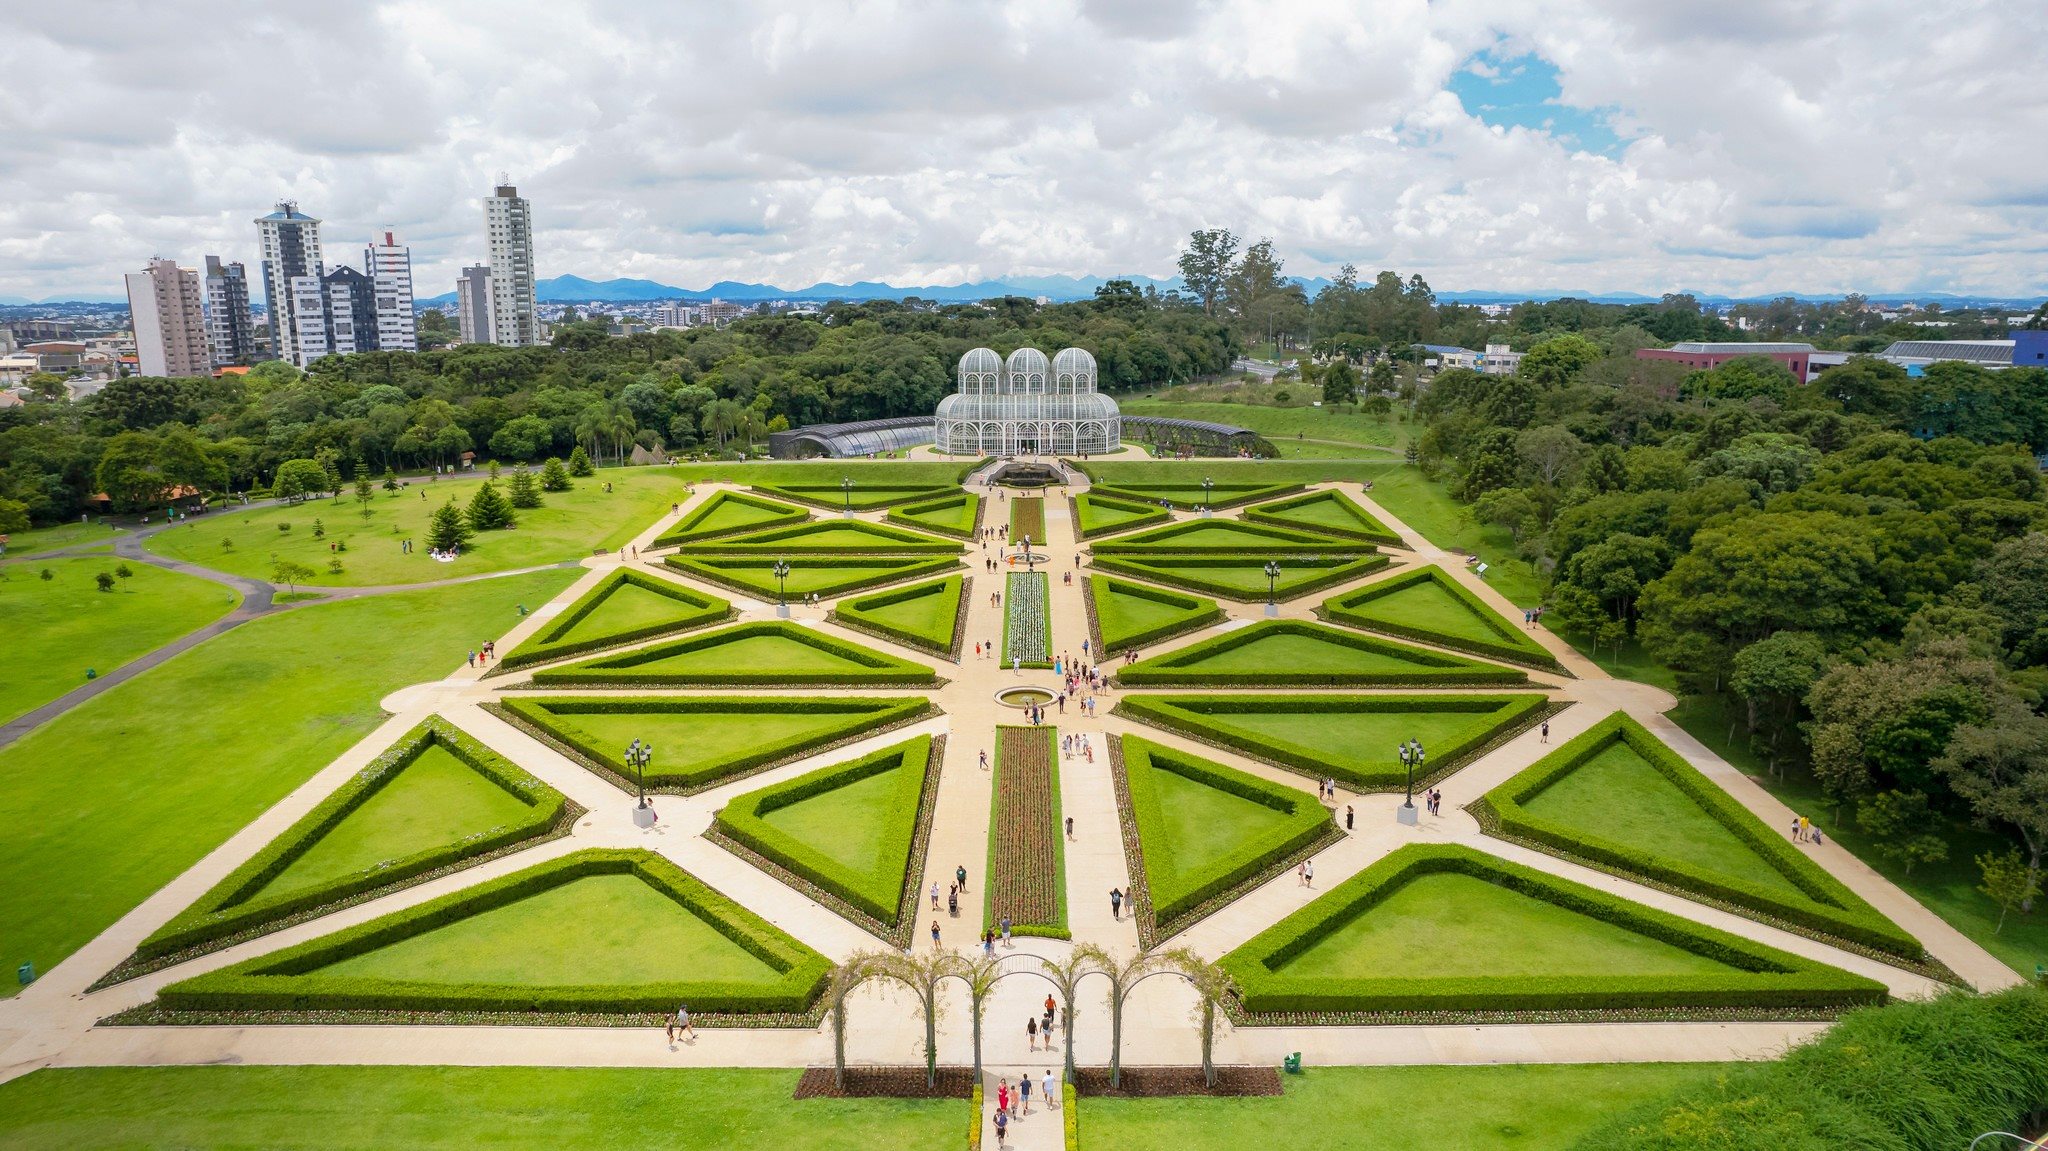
[
  {"x": 351, "y": 311},
  {"x": 230, "y": 334},
  {"x": 473, "y": 304},
  {"x": 168, "y": 308},
  {"x": 292, "y": 268},
  {"x": 508, "y": 228},
  {"x": 389, "y": 265}
]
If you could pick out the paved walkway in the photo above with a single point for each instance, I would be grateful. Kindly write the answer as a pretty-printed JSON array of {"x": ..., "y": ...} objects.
[{"x": 53, "y": 1021}]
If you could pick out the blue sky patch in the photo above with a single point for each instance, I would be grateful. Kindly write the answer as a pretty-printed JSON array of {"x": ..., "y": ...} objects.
[{"x": 1522, "y": 91}]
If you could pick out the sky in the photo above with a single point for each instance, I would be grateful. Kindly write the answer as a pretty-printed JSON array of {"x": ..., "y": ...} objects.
[{"x": 1738, "y": 146}]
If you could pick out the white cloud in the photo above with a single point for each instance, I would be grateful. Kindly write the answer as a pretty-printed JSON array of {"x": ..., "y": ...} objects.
[{"x": 1769, "y": 145}]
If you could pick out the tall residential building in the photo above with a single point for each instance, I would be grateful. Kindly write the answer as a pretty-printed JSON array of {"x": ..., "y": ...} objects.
[
  {"x": 230, "y": 334},
  {"x": 351, "y": 311},
  {"x": 390, "y": 267},
  {"x": 508, "y": 227},
  {"x": 169, "y": 312},
  {"x": 292, "y": 268},
  {"x": 473, "y": 304}
]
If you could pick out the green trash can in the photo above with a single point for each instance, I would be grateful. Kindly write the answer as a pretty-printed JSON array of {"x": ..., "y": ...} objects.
[
  {"x": 26, "y": 973},
  {"x": 1293, "y": 1063},
  {"x": 91, "y": 674}
]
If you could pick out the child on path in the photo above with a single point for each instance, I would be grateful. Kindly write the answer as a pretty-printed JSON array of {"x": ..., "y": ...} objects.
[
  {"x": 1002, "y": 1124},
  {"x": 935, "y": 934}
]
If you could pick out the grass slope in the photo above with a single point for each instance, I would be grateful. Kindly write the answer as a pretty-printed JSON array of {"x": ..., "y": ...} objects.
[
  {"x": 59, "y": 628},
  {"x": 187, "y": 753}
]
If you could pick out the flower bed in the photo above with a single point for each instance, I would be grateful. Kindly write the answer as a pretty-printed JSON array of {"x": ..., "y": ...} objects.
[
  {"x": 1027, "y": 520},
  {"x": 1026, "y": 875},
  {"x": 1027, "y": 620}
]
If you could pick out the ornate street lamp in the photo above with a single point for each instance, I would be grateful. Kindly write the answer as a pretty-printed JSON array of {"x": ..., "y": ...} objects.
[
  {"x": 1272, "y": 579},
  {"x": 1411, "y": 758},
  {"x": 846, "y": 485},
  {"x": 781, "y": 570},
  {"x": 637, "y": 755},
  {"x": 1207, "y": 484},
  {"x": 1029, "y": 559}
]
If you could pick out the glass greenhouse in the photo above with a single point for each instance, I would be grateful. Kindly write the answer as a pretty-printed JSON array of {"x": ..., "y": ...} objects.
[{"x": 1027, "y": 406}]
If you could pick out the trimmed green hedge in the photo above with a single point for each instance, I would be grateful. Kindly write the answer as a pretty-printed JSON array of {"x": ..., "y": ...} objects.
[
  {"x": 962, "y": 524},
  {"x": 727, "y": 571},
  {"x": 1174, "y": 895},
  {"x": 790, "y": 541},
  {"x": 1513, "y": 646},
  {"x": 236, "y": 904},
  {"x": 1272, "y": 541},
  {"x": 866, "y": 497},
  {"x": 1098, "y": 588},
  {"x": 696, "y": 608},
  {"x": 289, "y": 980},
  {"x": 1336, "y": 570},
  {"x": 876, "y": 668},
  {"x": 1835, "y": 910},
  {"x": 1182, "y": 714},
  {"x": 538, "y": 711},
  {"x": 1369, "y": 527},
  {"x": 1221, "y": 496},
  {"x": 1178, "y": 667},
  {"x": 1767, "y": 979},
  {"x": 1082, "y": 507},
  {"x": 854, "y": 613},
  {"x": 878, "y": 892},
  {"x": 688, "y": 528}
]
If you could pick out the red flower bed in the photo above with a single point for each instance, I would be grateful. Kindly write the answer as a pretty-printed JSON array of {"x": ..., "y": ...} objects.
[{"x": 1026, "y": 868}]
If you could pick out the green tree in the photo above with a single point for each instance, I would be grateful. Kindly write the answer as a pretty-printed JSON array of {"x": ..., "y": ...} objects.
[
  {"x": 2000, "y": 767},
  {"x": 298, "y": 479},
  {"x": 1340, "y": 383},
  {"x": 365, "y": 493},
  {"x": 1383, "y": 374},
  {"x": 579, "y": 462},
  {"x": 554, "y": 477},
  {"x": 446, "y": 530},
  {"x": 13, "y": 516},
  {"x": 523, "y": 438},
  {"x": 2014, "y": 581},
  {"x": 391, "y": 483},
  {"x": 130, "y": 473},
  {"x": 522, "y": 490},
  {"x": 1558, "y": 360},
  {"x": 2009, "y": 881},
  {"x": 1904, "y": 826},
  {"x": 290, "y": 573},
  {"x": 489, "y": 510},
  {"x": 1205, "y": 265},
  {"x": 105, "y": 580},
  {"x": 1773, "y": 676}
]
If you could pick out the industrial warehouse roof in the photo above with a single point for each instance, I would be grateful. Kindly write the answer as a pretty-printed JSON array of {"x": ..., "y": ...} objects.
[
  {"x": 1705, "y": 348},
  {"x": 1975, "y": 351}
]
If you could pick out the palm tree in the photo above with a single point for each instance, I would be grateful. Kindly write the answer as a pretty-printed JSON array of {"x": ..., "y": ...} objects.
[{"x": 721, "y": 419}]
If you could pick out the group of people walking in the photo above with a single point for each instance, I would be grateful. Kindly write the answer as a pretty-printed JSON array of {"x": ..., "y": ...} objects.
[{"x": 1013, "y": 1105}]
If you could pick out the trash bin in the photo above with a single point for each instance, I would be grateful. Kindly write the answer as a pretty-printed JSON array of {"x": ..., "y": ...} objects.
[
  {"x": 1293, "y": 1063},
  {"x": 26, "y": 973},
  {"x": 91, "y": 674}
]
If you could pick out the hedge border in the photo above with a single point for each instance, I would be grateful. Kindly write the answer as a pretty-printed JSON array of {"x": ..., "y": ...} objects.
[
  {"x": 1004, "y": 651},
  {"x": 707, "y": 568},
  {"x": 685, "y": 529},
  {"x": 900, "y": 711},
  {"x": 1210, "y": 618},
  {"x": 1344, "y": 571},
  {"x": 890, "y": 540},
  {"x": 1236, "y": 494},
  {"x": 1515, "y": 649},
  {"x": 818, "y": 879},
  {"x": 1271, "y": 515},
  {"x": 1854, "y": 920},
  {"x": 1456, "y": 669},
  {"x": 1301, "y": 761},
  {"x": 949, "y": 650},
  {"x": 248, "y": 986},
  {"x": 1060, "y": 929},
  {"x": 194, "y": 932},
  {"x": 535, "y": 649},
  {"x": 616, "y": 670},
  {"x": 897, "y": 515},
  {"x": 831, "y": 498},
  {"x": 1250, "y": 875},
  {"x": 1280, "y": 541},
  {"x": 1795, "y": 983},
  {"x": 1154, "y": 515}
]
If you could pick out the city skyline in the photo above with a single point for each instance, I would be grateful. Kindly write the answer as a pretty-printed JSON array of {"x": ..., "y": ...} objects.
[{"x": 1840, "y": 149}]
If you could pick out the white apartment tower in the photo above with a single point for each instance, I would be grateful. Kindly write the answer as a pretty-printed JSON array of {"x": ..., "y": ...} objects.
[
  {"x": 169, "y": 312},
  {"x": 292, "y": 271},
  {"x": 389, "y": 265},
  {"x": 230, "y": 335},
  {"x": 473, "y": 304},
  {"x": 508, "y": 227}
]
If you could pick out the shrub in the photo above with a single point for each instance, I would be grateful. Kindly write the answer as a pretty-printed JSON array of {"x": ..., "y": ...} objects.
[
  {"x": 579, "y": 462},
  {"x": 105, "y": 580},
  {"x": 554, "y": 477},
  {"x": 874, "y": 667},
  {"x": 1510, "y": 645},
  {"x": 1182, "y": 666}
]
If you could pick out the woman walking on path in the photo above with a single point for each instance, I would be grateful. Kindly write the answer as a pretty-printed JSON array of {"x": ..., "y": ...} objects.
[{"x": 1031, "y": 1040}]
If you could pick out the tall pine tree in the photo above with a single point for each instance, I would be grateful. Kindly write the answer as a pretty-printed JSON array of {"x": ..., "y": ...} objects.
[
  {"x": 488, "y": 509},
  {"x": 446, "y": 531},
  {"x": 579, "y": 462},
  {"x": 554, "y": 477},
  {"x": 524, "y": 492}
]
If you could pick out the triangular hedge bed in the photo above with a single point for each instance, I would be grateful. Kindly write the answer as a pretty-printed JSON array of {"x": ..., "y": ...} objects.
[
  {"x": 749, "y": 654},
  {"x": 1328, "y": 511},
  {"x": 929, "y": 616},
  {"x": 1808, "y": 898},
  {"x": 1229, "y": 538},
  {"x": 1187, "y": 496},
  {"x": 1353, "y": 739},
  {"x": 866, "y": 496},
  {"x": 828, "y": 537},
  {"x": 1430, "y": 606},
  {"x": 1096, "y": 515},
  {"x": 1732, "y": 977},
  {"x": 249, "y": 901},
  {"x": 779, "y": 985},
  {"x": 1182, "y": 873},
  {"x": 602, "y": 618},
  {"x": 730, "y": 513},
  {"x": 1242, "y": 578},
  {"x": 685, "y": 731},
  {"x": 1283, "y": 652},
  {"x": 957, "y": 514},
  {"x": 1122, "y": 614},
  {"x": 859, "y": 849},
  {"x": 827, "y": 576}
]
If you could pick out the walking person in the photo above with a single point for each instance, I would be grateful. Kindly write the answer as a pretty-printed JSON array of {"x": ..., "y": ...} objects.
[
  {"x": 1003, "y": 1097},
  {"x": 682, "y": 1022},
  {"x": 1116, "y": 904},
  {"x": 1006, "y": 932},
  {"x": 1051, "y": 1096},
  {"x": 984, "y": 759},
  {"x": 1031, "y": 1038},
  {"x": 1024, "y": 1083},
  {"x": 935, "y": 895},
  {"x": 960, "y": 876},
  {"x": 935, "y": 935},
  {"x": 1546, "y": 731},
  {"x": 1002, "y": 1122},
  {"x": 1347, "y": 817},
  {"x": 1070, "y": 828}
]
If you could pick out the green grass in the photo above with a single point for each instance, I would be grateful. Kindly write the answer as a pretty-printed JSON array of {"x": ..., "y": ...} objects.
[
  {"x": 181, "y": 757},
  {"x": 600, "y": 929},
  {"x": 1327, "y": 511},
  {"x": 849, "y": 824},
  {"x": 59, "y": 628},
  {"x": 1244, "y": 579},
  {"x": 436, "y": 799},
  {"x": 826, "y": 536},
  {"x": 1448, "y": 925},
  {"x": 1100, "y": 514},
  {"x": 1278, "y": 424},
  {"x": 826, "y": 473},
  {"x": 1948, "y": 889},
  {"x": 825, "y": 575},
  {"x": 1129, "y": 614},
  {"x": 456, "y": 1109},
  {"x": 569, "y": 526},
  {"x": 728, "y": 513},
  {"x": 1517, "y": 1107},
  {"x": 1294, "y": 651},
  {"x": 1027, "y": 519},
  {"x": 952, "y": 515},
  {"x": 35, "y": 541},
  {"x": 1429, "y": 605},
  {"x": 767, "y": 651},
  {"x": 880, "y": 492},
  {"x": 925, "y": 615},
  {"x": 626, "y": 605}
]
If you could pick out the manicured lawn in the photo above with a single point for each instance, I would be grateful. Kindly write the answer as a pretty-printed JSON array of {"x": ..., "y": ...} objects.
[
  {"x": 769, "y": 651},
  {"x": 1949, "y": 888},
  {"x": 1618, "y": 795},
  {"x": 926, "y": 613},
  {"x": 456, "y": 1109},
  {"x": 1234, "y": 536},
  {"x": 1128, "y": 614},
  {"x": 1279, "y": 425},
  {"x": 826, "y": 473},
  {"x": 851, "y": 824},
  {"x": 1447, "y": 925},
  {"x": 688, "y": 741},
  {"x": 58, "y": 628},
  {"x": 567, "y": 527},
  {"x": 600, "y": 929},
  {"x": 953, "y": 515},
  {"x": 825, "y": 575},
  {"x": 437, "y": 799},
  {"x": 624, "y": 606},
  {"x": 1027, "y": 519},
  {"x": 108, "y": 802},
  {"x": 1099, "y": 513},
  {"x": 1245, "y": 579},
  {"x": 35, "y": 541},
  {"x": 1325, "y": 510},
  {"x": 728, "y": 512},
  {"x": 1518, "y": 1107},
  {"x": 1204, "y": 824},
  {"x": 1302, "y": 654},
  {"x": 1425, "y": 605},
  {"x": 826, "y": 536}
]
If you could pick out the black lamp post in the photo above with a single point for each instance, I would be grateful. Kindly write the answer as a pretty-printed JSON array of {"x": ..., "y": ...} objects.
[
  {"x": 781, "y": 570},
  {"x": 1272, "y": 579},
  {"x": 638, "y": 754},
  {"x": 1411, "y": 758},
  {"x": 1029, "y": 559},
  {"x": 846, "y": 485},
  {"x": 1207, "y": 484}
]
